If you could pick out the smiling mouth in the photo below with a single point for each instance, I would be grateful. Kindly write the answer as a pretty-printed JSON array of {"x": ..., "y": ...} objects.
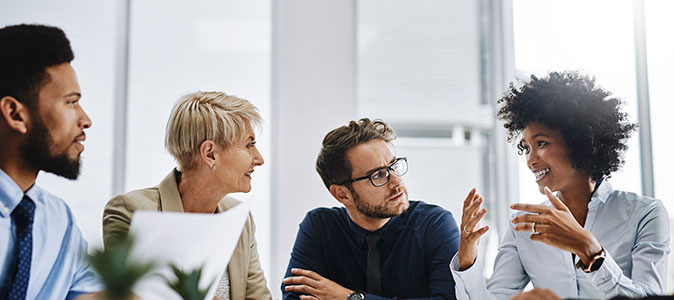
[
  {"x": 540, "y": 174},
  {"x": 248, "y": 174}
]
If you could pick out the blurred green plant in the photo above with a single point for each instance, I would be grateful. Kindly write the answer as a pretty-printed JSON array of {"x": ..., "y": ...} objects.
[
  {"x": 116, "y": 271},
  {"x": 187, "y": 284}
]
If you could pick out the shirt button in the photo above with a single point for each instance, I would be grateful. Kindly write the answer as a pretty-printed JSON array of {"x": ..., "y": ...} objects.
[{"x": 5, "y": 209}]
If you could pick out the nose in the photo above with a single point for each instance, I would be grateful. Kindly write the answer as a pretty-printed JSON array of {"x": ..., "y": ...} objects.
[
  {"x": 395, "y": 180},
  {"x": 532, "y": 159},
  {"x": 257, "y": 159},
  {"x": 85, "y": 122}
]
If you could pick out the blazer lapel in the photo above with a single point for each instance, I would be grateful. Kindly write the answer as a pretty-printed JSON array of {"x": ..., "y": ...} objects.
[
  {"x": 169, "y": 196},
  {"x": 237, "y": 273}
]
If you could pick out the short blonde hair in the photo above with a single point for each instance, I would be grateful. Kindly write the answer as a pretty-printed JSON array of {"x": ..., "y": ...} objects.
[{"x": 201, "y": 116}]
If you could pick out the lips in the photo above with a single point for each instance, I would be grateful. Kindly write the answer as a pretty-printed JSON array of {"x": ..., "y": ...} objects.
[
  {"x": 398, "y": 196},
  {"x": 81, "y": 137},
  {"x": 78, "y": 141},
  {"x": 541, "y": 173},
  {"x": 249, "y": 173}
]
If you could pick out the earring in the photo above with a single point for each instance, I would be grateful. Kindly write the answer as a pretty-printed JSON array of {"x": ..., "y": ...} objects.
[{"x": 213, "y": 167}]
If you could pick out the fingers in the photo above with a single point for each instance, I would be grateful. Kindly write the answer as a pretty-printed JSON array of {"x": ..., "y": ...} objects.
[
  {"x": 558, "y": 204},
  {"x": 299, "y": 280},
  {"x": 532, "y": 208},
  {"x": 307, "y": 273},
  {"x": 530, "y": 227},
  {"x": 529, "y": 218},
  {"x": 469, "y": 225},
  {"x": 478, "y": 233},
  {"x": 307, "y": 297},
  {"x": 537, "y": 294},
  {"x": 301, "y": 289},
  {"x": 543, "y": 238},
  {"x": 469, "y": 198}
]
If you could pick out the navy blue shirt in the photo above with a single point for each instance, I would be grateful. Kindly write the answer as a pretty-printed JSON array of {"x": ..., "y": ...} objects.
[{"x": 415, "y": 250}]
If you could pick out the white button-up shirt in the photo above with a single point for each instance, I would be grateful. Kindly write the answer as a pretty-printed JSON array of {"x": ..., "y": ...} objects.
[{"x": 633, "y": 229}]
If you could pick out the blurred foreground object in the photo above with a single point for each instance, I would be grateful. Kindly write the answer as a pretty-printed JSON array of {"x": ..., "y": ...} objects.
[{"x": 116, "y": 271}]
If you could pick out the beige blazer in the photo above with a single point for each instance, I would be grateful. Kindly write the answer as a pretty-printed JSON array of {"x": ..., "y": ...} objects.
[{"x": 245, "y": 273}]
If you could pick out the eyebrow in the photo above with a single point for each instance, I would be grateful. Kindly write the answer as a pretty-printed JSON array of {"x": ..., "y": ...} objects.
[
  {"x": 76, "y": 94},
  {"x": 535, "y": 136},
  {"x": 377, "y": 168}
]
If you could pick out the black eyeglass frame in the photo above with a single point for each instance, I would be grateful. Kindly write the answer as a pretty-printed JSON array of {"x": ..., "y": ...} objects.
[{"x": 389, "y": 170}]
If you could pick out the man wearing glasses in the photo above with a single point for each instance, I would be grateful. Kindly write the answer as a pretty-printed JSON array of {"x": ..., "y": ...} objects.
[{"x": 379, "y": 245}]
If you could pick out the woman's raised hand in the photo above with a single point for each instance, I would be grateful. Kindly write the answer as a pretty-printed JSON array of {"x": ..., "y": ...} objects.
[
  {"x": 470, "y": 237},
  {"x": 556, "y": 226}
]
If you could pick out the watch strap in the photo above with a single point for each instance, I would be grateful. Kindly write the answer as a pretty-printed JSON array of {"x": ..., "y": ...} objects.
[{"x": 356, "y": 295}]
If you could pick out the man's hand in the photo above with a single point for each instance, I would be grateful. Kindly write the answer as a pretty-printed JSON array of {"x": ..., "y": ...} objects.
[
  {"x": 97, "y": 296},
  {"x": 537, "y": 294},
  {"x": 470, "y": 237},
  {"x": 556, "y": 227},
  {"x": 312, "y": 286}
]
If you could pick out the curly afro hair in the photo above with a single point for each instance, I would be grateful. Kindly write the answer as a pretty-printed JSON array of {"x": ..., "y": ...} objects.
[{"x": 588, "y": 117}]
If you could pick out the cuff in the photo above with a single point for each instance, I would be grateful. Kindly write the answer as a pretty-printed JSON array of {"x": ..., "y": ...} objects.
[
  {"x": 468, "y": 279},
  {"x": 607, "y": 277}
]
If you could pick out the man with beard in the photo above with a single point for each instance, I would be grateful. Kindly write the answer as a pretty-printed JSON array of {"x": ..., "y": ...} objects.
[
  {"x": 42, "y": 251},
  {"x": 379, "y": 245}
]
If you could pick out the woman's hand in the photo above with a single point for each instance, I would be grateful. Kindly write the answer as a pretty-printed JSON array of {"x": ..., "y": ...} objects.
[
  {"x": 472, "y": 214},
  {"x": 537, "y": 294},
  {"x": 556, "y": 226}
]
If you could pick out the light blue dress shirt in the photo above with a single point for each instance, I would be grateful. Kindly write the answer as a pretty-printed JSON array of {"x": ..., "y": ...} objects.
[
  {"x": 59, "y": 269},
  {"x": 633, "y": 229}
]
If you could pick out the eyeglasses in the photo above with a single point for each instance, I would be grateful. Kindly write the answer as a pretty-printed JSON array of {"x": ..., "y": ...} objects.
[{"x": 381, "y": 176}]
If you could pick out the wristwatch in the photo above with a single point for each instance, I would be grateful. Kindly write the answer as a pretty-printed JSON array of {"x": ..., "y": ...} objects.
[
  {"x": 356, "y": 295},
  {"x": 595, "y": 262}
]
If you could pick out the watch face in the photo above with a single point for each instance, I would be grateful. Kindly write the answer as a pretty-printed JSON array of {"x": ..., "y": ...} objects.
[{"x": 597, "y": 264}]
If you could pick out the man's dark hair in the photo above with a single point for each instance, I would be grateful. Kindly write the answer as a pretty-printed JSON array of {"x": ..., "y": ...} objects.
[
  {"x": 332, "y": 164},
  {"x": 588, "y": 117},
  {"x": 26, "y": 51}
]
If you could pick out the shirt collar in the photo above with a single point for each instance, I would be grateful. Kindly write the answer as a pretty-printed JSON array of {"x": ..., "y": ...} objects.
[
  {"x": 387, "y": 232},
  {"x": 10, "y": 194},
  {"x": 601, "y": 192}
]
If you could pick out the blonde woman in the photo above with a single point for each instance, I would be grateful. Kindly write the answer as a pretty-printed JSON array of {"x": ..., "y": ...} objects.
[{"x": 210, "y": 135}]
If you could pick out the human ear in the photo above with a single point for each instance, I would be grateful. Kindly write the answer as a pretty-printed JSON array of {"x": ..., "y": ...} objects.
[
  {"x": 342, "y": 194},
  {"x": 207, "y": 153},
  {"x": 14, "y": 114}
]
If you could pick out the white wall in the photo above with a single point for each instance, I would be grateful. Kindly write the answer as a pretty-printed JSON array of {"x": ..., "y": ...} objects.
[{"x": 312, "y": 93}]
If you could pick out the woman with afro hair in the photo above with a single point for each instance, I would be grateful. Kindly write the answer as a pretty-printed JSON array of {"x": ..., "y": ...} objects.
[{"x": 587, "y": 240}]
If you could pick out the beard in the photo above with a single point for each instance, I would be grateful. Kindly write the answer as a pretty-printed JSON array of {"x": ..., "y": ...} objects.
[
  {"x": 380, "y": 211},
  {"x": 36, "y": 151}
]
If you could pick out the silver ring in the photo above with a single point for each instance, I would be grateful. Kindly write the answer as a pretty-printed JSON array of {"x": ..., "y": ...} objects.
[
  {"x": 533, "y": 227},
  {"x": 466, "y": 231}
]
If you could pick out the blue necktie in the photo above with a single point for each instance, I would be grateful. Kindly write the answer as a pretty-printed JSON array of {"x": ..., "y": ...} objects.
[{"x": 23, "y": 220}]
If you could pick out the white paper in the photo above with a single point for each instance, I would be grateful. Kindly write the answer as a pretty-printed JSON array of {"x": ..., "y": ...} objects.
[{"x": 187, "y": 240}]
